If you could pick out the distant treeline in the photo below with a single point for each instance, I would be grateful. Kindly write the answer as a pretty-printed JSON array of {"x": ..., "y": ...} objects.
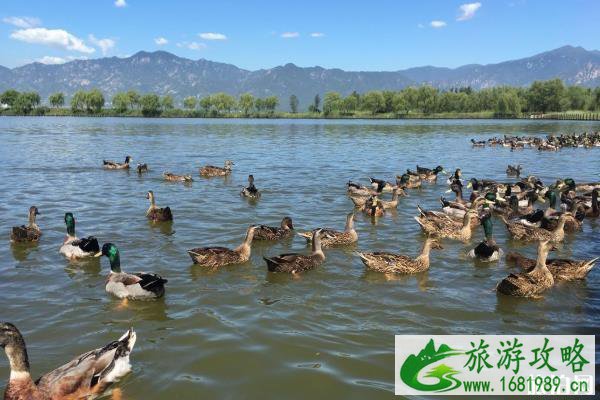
[{"x": 502, "y": 102}]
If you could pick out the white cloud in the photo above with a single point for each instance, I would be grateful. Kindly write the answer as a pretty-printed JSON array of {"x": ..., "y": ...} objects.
[
  {"x": 51, "y": 60},
  {"x": 120, "y": 3},
  {"x": 192, "y": 45},
  {"x": 58, "y": 60},
  {"x": 437, "y": 24},
  {"x": 289, "y": 35},
  {"x": 52, "y": 37},
  {"x": 317, "y": 34},
  {"x": 160, "y": 41},
  {"x": 212, "y": 36},
  {"x": 104, "y": 44},
  {"x": 22, "y": 22},
  {"x": 467, "y": 11}
]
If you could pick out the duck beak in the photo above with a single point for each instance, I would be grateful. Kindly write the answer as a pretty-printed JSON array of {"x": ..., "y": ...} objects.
[
  {"x": 444, "y": 172},
  {"x": 98, "y": 254},
  {"x": 448, "y": 191}
]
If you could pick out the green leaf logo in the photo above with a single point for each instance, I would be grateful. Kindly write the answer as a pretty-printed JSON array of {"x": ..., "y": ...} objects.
[{"x": 412, "y": 366}]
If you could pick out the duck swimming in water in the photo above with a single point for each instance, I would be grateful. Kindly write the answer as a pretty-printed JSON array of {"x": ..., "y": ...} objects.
[
  {"x": 487, "y": 250},
  {"x": 86, "y": 376},
  {"x": 399, "y": 264},
  {"x": 332, "y": 238},
  {"x": 168, "y": 176},
  {"x": 75, "y": 248},
  {"x": 285, "y": 230},
  {"x": 295, "y": 263},
  {"x": 155, "y": 213},
  {"x": 116, "y": 165},
  {"x": 27, "y": 233},
  {"x": 138, "y": 285},
  {"x": 209, "y": 171},
  {"x": 533, "y": 282},
  {"x": 215, "y": 257},
  {"x": 250, "y": 191}
]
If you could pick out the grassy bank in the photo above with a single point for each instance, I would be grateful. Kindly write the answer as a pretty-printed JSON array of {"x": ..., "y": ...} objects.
[{"x": 183, "y": 113}]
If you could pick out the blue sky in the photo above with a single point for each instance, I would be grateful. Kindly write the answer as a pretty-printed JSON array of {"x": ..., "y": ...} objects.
[{"x": 352, "y": 35}]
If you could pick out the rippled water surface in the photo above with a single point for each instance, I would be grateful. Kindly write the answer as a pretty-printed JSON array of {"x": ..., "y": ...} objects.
[{"x": 241, "y": 332}]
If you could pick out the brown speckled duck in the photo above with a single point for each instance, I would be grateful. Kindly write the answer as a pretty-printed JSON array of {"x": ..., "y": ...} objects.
[
  {"x": 168, "y": 176},
  {"x": 444, "y": 226},
  {"x": 86, "y": 376},
  {"x": 215, "y": 257},
  {"x": 250, "y": 191},
  {"x": 117, "y": 165},
  {"x": 295, "y": 263},
  {"x": 392, "y": 263},
  {"x": 155, "y": 213},
  {"x": 561, "y": 269},
  {"x": 209, "y": 171},
  {"x": 532, "y": 283},
  {"x": 373, "y": 207},
  {"x": 526, "y": 233},
  {"x": 27, "y": 233},
  {"x": 272, "y": 233},
  {"x": 332, "y": 238}
]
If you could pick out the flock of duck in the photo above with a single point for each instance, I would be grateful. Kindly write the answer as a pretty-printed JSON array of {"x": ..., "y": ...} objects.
[
  {"x": 550, "y": 143},
  {"x": 568, "y": 205}
]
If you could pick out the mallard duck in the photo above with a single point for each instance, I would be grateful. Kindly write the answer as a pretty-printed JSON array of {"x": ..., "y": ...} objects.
[
  {"x": 427, "y": 174},
  {"x": 487, "y": 250},
  {"x": 373, "y": 207},
  {"x": 168, "y": 176},
  {"x": 295, "y": 263},
  {"x": 405, "y": 181},
  {"x": 525, "y": 233},
  {"x": 392, "y": 263},
  {"x": 155, "y": 213},
  {"x": 27, "y": 233},
  {"x": 380, "y": 185},
  {"x": 478, "y": 143},
  {"x": 532, "y": 283},
  {"x": 141, "y": 168},
  {"x": 73, "y": 247},
  {"x": 116, "y": 165},
  {"x": 138, "y": 285},
  {"x": 456, "y": 176},
  {"x": 250, "y": 191},
  {"x": 444, "y": 226},
  {"x": 87, "y": 375},
  {"x": 354, "y": 189},
  {"x": 210, "y": 170},
  {"x": 561, "y": 269},
  {"x": 331, "y": 238},
  {"x": 514, "y": 170},
  {"x": 285, "y": 230},
  {"x": 215, "y": 257}
]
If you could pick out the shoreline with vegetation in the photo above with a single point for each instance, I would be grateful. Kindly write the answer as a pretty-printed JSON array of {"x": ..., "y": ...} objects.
[{"x": 542, "y": 100}]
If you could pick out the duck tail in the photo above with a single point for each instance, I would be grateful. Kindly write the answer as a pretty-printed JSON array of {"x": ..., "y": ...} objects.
[
  {"x": 423, "y": 212},
  {"x": 305, "y": 235},
  {"x": 590, "y": 264},
  {"x": 168, "y": 214},
  {"x": 419, "y": 221}
]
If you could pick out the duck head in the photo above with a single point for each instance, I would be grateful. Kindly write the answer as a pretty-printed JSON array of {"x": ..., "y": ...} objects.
[
  {"x": 286, "y": 223},
  {"x": 70, "y": 222},
  {"x": 110, "y": 250},
  {"x": 128, "y": 159},
  {"x": 229, "y": 164}
]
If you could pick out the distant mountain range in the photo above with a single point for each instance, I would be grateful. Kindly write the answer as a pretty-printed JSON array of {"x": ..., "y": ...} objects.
[{"x": 165, "y": 73}]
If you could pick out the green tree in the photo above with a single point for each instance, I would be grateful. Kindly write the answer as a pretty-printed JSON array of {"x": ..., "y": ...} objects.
[
  {"x": 167, "y": 103},
  {"x": 190, "y": 102},
  {"x": 150, "y": 104},
  {"x": 349, "y": 104},
  {"x": 26, "y": 102},
  {"x": 400, "y": 103},
  {"x": 78, "y": 101},
  {"x": 294, "y": 104},
  {"x": 120, "y": 102},
  {"x": 207, "y": 105},
  {"x": 57, "y": 99},
  {"x": 271, "y": 104},
  {"x": 595, "y": 99},
  {"x": 332, "y": 103},
  {"x": 134, "y": 99},
  {"x": 314, "y": 107},
  {"x": 94, "y": 101},
  {"x": 223, "y": 103},
  {"x": 246, "y": 103},
  {"x": 544, "y": 96},
  {"x": 259, "y": 105},
  {"x": 508, "y": 105},
  {"x": 9, "y": 97},
  {"x": 578, "y": 98},
  {"x": 373, "y": 102}
]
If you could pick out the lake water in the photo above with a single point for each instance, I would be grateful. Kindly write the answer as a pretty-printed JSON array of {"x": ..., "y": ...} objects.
[{"x": 241, "y": 332}]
